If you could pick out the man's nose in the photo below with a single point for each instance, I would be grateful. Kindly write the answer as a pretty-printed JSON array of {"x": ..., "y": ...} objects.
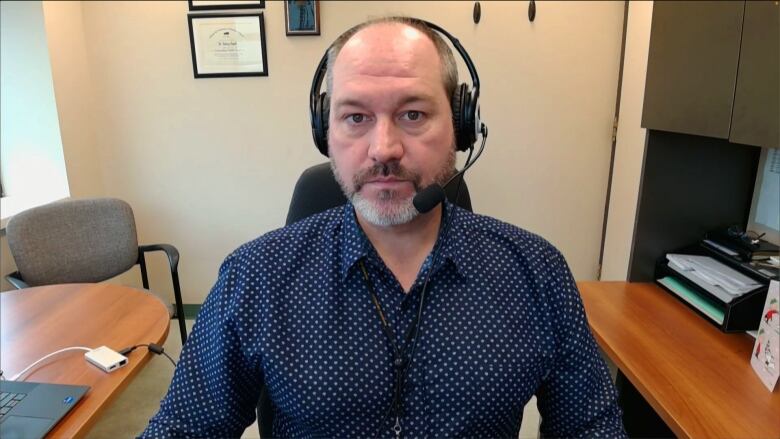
[{"x": 385, "y": 143}]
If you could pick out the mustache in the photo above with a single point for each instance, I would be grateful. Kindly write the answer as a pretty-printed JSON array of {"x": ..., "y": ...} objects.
[{"x": 392, "y": 169}]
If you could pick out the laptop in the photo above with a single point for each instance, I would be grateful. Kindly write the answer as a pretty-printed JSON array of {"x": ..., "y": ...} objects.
[{"x": 30, "y": 410}]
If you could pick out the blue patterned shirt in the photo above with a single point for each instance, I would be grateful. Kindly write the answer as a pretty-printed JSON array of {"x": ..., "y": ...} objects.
[{"x": 503, "y": 321}]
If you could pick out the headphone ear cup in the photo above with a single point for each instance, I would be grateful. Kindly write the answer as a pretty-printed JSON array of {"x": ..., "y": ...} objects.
[
  {"x": 463, "y": 118},
  {"x": 457, "y": 116},
  {"x": 320, "y": 122},
  {"x": 468, "y": 135}
]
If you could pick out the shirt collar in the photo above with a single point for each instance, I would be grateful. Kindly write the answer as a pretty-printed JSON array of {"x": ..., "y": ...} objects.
[
  {"x": 356, "y": 246},
  {"x": 456, "y": 240}
]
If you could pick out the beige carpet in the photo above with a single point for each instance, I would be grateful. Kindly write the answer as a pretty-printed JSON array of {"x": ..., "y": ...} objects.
[{"x": 129, "y": 414}]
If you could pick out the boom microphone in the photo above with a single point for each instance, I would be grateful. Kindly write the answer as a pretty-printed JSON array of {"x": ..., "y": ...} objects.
[
  {"x": 428, "y": 198},
  {"x": 431, "y": 196}
]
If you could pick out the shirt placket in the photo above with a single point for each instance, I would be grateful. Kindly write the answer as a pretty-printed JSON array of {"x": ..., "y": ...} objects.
[
  {"x": 400, "y": 309},
  {"x": 414, "y": 422},
  {"x": 416, "y": 398}
]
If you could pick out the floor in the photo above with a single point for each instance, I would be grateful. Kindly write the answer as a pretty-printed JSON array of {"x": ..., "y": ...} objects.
[{"x": 129, "y": 414}]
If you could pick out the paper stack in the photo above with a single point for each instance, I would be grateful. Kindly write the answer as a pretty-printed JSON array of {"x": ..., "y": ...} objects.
[{"x": 713, "y": 276}]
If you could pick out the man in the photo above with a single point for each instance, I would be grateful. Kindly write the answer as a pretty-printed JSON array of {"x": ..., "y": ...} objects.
[{"x": 324, "y": 313}]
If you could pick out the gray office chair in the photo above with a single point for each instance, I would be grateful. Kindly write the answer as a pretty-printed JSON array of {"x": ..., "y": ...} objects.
[
  {"x": 317, "y": 191},
  {"x": 87, "y": 240}
]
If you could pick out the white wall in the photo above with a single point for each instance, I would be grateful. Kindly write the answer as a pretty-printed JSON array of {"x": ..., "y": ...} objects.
[
  {"x": 550, "y": 90},
  {"x": 208, "y": 164},
  {"x": 75, "y": 91},
  {"x": 630, "y": 147},
  {"x": 61, "y": 36},
  {"x": 32, "y": 164}
]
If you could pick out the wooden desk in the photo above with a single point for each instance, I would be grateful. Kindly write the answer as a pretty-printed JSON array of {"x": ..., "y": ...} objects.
[
  {"x": 696, "y": 378},
  {"x": 37, "y": 321}
]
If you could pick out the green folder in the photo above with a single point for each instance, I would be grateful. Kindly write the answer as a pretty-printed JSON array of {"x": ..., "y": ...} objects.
[{"x": 694, "y": 298}]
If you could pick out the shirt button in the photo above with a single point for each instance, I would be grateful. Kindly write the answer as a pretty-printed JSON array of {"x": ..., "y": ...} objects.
[{"x": 405, "y": 305}]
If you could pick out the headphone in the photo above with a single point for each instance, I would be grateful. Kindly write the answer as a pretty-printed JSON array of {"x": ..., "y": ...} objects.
[{"x": 465, "y": 101}]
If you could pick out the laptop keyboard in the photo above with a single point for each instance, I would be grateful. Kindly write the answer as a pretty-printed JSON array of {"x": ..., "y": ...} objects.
[{"x": 8, "y": 401}]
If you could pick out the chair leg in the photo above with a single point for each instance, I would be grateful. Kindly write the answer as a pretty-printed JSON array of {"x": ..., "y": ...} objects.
[{"x": 179, "y": 307}]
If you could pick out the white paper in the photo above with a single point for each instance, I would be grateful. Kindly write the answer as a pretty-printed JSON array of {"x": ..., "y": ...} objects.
[
  {"x": 715, "y": 290},
  {"x": 713, "y": 273},
  {"x": 228, "y": 44},
  {"x": 765, "y": 358}
]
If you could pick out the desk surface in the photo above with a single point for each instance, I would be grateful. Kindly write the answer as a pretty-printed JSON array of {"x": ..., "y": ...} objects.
[
  {"x": 37, "y": 321},
  {"x": 697, "y": 379}
]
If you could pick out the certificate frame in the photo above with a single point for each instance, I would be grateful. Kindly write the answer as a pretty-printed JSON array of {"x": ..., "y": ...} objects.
[
  {"x": 228, "y": 45},
  {"x": 308, "y": 23},
  {"x": 211, "y": 5}
]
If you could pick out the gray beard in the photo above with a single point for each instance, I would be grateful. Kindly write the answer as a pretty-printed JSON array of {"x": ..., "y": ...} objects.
[
  {"x": 399, "y": 212},
  {"x": 390, "y": 210}
]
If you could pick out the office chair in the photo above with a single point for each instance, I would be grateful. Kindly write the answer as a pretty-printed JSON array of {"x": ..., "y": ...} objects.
[
  {"x": 86, "y": 240},
  {"x": 317, "y": 191}
]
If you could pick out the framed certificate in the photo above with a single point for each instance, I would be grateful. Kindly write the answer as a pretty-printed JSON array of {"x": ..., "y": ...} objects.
[
  {"x": 206, "y": 5},
  {"x": 228, "y": 45}
]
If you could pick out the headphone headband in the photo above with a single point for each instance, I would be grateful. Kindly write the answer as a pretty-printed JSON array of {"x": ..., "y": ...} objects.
[
  {"x": 463, "y": 54},
  {"x": 465, "y": 103}
]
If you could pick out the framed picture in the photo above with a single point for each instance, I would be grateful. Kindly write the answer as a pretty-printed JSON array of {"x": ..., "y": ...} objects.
[
  {"x": 208, "y": 5},
  {"x": 227, "y": 45},
  {"x": 302, "y": 17}
]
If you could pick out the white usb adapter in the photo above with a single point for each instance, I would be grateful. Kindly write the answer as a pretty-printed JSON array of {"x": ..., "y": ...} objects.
[{"x": 106, "y": 359}]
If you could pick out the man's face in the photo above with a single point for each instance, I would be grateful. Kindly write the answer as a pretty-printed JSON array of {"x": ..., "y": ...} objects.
[{"x": 390, "y": 129}]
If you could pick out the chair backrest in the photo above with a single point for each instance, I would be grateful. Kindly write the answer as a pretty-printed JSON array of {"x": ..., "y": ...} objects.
[
  {"x": 85, "y": 240},
  {"x": 317, "y": 191}
]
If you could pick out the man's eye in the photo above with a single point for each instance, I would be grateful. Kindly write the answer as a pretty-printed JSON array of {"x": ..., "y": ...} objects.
[
  {"x": 356, "y": 118},
  {"x": 413, "y": 115}
]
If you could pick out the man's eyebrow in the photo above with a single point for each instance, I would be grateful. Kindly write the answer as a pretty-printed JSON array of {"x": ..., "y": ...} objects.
[
  {"x": 413, "y": 99},
  {"x": 348, "y": 102},
  {"x": 410, "y": 99}
]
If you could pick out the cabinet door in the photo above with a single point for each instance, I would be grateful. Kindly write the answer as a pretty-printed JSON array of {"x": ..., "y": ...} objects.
[
  {"x": 692, "y": 66},
  {"x": 756, "y": 102}
]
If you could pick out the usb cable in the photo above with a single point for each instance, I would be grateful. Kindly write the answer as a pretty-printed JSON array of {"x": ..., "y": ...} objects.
[
  {"x": 152, "y": 347},
  {"x": 42, "y": 359}
]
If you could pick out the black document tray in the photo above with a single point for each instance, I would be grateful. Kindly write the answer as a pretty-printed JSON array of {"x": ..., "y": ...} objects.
[{"x": 741, "y": 314}]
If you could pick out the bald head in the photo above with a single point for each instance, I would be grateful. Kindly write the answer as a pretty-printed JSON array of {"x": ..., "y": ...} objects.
[{"x": 392, "y": 43}]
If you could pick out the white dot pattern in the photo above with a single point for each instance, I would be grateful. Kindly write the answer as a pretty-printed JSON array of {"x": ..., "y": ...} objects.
[{"x": 503, "y": 321}]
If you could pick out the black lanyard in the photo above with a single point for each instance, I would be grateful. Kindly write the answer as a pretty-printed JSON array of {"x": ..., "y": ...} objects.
[{"x": 401, "y": 362}]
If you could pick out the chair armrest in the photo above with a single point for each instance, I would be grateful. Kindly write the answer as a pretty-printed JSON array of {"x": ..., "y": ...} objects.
[
  {"x": 15, "y": 279},
  {"x": 173, "y": 260},
  {"x": 170, "y": 251}
]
